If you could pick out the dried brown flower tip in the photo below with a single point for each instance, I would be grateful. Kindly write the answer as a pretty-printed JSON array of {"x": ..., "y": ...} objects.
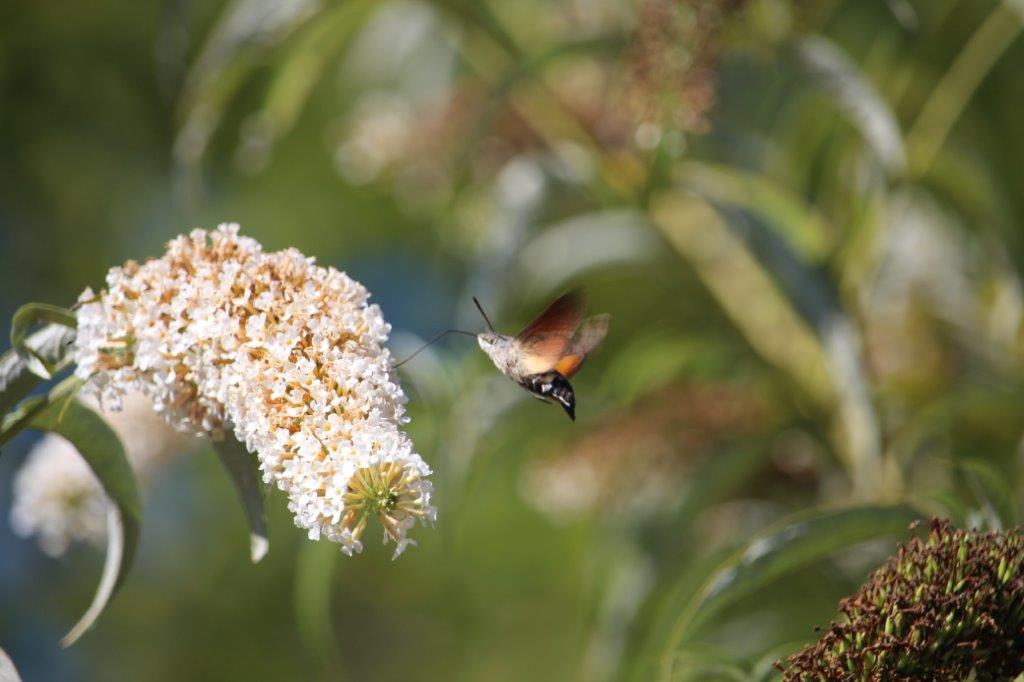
[{"x": 947, "y": 607}]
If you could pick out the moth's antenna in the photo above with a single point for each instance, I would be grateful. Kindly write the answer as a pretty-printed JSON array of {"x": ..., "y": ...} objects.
[
  {"x": 436, "y": 337},
  {"x": 481, "y": 309}
]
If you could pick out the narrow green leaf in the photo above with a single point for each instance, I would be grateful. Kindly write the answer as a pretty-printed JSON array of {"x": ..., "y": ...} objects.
[
  {"x": 802, "y": 226},
  {"x": 50, "y": 345},
  {"x": 302, "y": 66},
  {"x": 8, "y": 673},
  {"x": 905, "y": 14},
  {"x": 20, "y": 418},
  {"x": 102, "y": 450},
  {"x": 788, "y": 309},
  {"x": 246, "y": 31},
  {"x": 115, "y": 567},
  {"x": 834, "y": 72},
  {"x": 779, "y": 550},
  {"x": 949, "y": 98},
  {"x": 24, "y": 318},
  {"x": 245, "y": 474},
  {"x": 745, "y": 292}
]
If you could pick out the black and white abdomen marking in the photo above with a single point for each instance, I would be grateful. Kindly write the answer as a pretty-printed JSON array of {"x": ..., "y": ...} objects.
[{"x": 552, "y": 387}]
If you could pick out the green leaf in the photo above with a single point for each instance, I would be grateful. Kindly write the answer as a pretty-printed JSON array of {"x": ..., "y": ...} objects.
[
  {"x": 8, "y": 673},
  {"x": 773, "y": 553},
  {"x": 20, "y": 418},
  {"x": 48, "y": 345},
  {"x": 302, "y": 66},
  {"x": 949, "y": 98},
  {"x": 24, "y": 318},
  {"x": 746, "y": 293},
  {"x": 245, "y": 474},
  {"x": 789, "y": 310},
  {"x": 834, "y": 72},
  {"x": 802, "y": 226},
  {"x": 246, "y": 31},
  {"x": 102, "y": 450}
]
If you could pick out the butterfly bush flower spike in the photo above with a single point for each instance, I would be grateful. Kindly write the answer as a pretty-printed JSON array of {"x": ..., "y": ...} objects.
[{"x": 287, "y": 354}]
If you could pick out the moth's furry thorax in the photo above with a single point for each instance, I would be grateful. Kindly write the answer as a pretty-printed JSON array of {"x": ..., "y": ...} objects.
[{"x": 500, "y": 348}]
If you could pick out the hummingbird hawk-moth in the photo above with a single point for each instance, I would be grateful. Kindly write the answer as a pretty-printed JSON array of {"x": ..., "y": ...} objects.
[{"x": 544, "y": 356}]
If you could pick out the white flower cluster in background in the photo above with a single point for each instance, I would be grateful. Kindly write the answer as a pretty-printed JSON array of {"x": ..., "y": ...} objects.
[
  {"x": 56, "y": 496},
  {"x": 221, "y": 335}
]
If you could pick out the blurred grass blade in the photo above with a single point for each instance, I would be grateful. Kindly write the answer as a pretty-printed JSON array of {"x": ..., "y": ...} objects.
[
  {"x": 246, "y": 30},
  {"x": 302, "y": 66},
  {"x": 991, "y": 490},
  {"x": 950, "y": 97},
  {"x": 480, "y": 15},
  {"x": 803, "y": 227},
  {"x": 776, "y": 297},
  {"x": 788, "y": 312},
  {"x": 904, "y": 13},
  {"x": 8, "y": 673},
  {"x": 24, "y": 318},
  {"x": 835, "y": 73},
  {"x": 313, "y": 577},
  {"x": 815, "y": 298},
  {"x": 50, "y": 345},
  {"x": 745, "y": 292},
  {"x": 102, "y": 450},
  {"x": 775, "y": 552},
  {"x": 244, "y": 470}
]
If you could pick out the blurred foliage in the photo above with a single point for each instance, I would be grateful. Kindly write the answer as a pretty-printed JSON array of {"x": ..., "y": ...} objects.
[{"x": 803, "y": 216}]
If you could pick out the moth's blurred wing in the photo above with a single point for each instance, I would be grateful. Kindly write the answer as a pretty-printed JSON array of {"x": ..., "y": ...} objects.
[
  {"x": 561, "y": 318},
  {"x": 588, "y": 337},
  {"x": 543, "y": 343}
]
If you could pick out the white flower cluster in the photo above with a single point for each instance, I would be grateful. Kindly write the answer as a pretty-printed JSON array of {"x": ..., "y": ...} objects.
[
  {"x": 286, "y": 353},
  {"x": 56, "y": 496}
]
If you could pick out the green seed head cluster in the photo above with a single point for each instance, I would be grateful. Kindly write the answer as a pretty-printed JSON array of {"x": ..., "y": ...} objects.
[{"x": 943, "y": 608}]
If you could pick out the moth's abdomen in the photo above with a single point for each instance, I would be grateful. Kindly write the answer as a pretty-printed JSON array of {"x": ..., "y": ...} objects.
[{"x": 553, "y": 387}]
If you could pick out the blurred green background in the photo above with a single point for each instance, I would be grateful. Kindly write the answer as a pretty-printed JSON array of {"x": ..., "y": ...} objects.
[{"x": 803, "y": 216}]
